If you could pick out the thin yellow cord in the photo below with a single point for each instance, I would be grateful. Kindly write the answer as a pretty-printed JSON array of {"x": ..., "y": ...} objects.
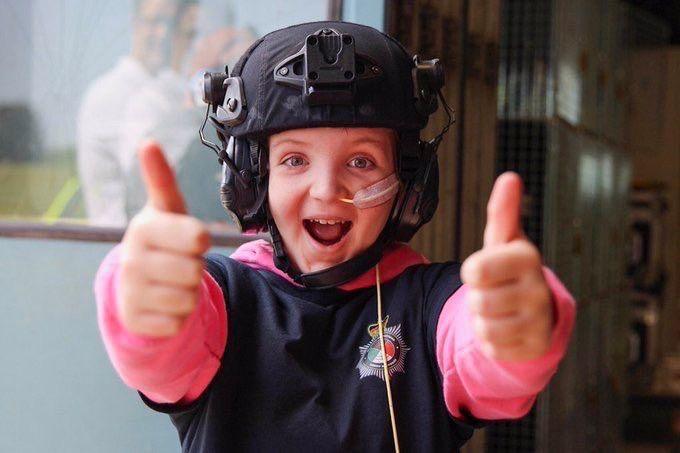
[
  {"x": 347, "y": 200},
  {"x": 384, "y": 356}
]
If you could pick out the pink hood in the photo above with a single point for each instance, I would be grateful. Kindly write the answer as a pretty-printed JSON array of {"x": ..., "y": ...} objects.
[{"x": 259, "y": 254}]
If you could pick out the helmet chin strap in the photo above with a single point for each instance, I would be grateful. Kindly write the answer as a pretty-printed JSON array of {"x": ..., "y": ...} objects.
[
  {"x": 333, "y": 276},
  {"x": 373, "y": 195}
]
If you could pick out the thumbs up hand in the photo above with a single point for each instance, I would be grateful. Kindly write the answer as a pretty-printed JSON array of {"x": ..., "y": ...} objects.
[
  {"x": 507, "y": 296},
  {"x": 161, "y": 257}
]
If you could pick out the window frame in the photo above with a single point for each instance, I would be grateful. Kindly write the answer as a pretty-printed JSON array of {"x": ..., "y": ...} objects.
[
  {"x": 26, "y": 229},
  {"x": 33, "y": 230}
]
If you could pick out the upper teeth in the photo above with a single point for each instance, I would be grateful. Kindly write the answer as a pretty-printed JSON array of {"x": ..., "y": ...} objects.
[{"x": 329, "y": 222}]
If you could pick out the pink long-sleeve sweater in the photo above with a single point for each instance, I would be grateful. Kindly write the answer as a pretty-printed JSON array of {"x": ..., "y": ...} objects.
[{"x": 179, "y": 369}]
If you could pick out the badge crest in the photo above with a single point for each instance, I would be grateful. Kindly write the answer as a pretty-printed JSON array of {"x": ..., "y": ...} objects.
[{"x": 371, "y": 361}]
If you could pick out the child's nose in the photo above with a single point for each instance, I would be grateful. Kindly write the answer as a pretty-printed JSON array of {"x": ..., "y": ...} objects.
[{"x": 328, "y": 187}]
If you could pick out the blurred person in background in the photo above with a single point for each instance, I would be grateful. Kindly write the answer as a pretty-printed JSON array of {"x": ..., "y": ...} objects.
[
  {"x": 100, "y": 118},
  {"x": 169, "y": 112}
]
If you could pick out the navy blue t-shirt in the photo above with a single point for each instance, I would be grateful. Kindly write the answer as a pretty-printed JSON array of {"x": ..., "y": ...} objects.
[{"x": 302, "y": 368}]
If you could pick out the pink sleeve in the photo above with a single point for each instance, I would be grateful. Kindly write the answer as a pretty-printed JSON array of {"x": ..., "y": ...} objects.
[
  {"x": 493, "y": 389},
  {"x": 166, "y": 370}
]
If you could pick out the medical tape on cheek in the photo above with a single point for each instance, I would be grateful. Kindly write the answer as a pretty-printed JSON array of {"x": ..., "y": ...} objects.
[{"x": 376, "y": 194}]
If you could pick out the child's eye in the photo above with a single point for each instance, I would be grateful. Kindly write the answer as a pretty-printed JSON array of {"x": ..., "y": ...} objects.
[
  {"x": 294, "y": 161},
  {"x": 360, "y": 162}
]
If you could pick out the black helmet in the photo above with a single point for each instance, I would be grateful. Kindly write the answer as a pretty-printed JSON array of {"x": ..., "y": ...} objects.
[{"x": 331, "y": 74}]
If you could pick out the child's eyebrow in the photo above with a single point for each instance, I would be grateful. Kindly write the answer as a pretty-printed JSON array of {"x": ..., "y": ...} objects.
[
  {"x": 290, "y": 141},
  {"x": 368, "y": 140},
  {"x": 365, "y": 140}
]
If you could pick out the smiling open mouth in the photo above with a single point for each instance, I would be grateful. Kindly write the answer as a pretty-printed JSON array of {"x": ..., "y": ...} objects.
[{"x": 327, "y": 232}]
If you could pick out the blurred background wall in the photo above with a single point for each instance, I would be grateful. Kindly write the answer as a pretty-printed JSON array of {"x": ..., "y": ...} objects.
[{"x": 580, "y": 97}]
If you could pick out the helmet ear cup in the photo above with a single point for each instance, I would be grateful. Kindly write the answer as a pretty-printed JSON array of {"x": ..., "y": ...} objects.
[
  {"x": 418, "y": 200},
  {"x": 244, "y": 197}
]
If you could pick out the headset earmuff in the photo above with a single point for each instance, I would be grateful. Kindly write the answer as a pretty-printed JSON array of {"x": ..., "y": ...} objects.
[{"x": 418, "y": 166}]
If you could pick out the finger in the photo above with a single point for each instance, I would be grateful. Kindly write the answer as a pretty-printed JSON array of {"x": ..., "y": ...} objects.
[
  {"x": 503, "y": 210},
  {"x": 160, "y": 266},
  {"x": 501, "y": 265},
  {"x": 169, "y": 300},
  {"x": 511, "y": 352},
  {"x": 505, "y": 301},
  {"x": 157, "y": 324},
  {"x": 170, "y": 232},
  {"x": 159, "y": 180},
  {"x": 501, "y": 332},
  {"x": 498, "y": 302}
]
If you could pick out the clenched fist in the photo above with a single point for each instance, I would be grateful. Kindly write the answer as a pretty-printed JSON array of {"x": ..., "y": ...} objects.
[
  {"x": 161, "y": 256},
  {"x": 508, "y": 297}
]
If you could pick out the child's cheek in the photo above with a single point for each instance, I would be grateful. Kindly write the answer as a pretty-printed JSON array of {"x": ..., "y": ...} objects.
[
  {"x": 283, "y": 206},
  {"x": 371, "y": 222}
]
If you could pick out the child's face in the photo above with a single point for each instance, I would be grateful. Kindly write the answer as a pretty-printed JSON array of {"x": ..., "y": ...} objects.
[{"x": 310, "y": 171}]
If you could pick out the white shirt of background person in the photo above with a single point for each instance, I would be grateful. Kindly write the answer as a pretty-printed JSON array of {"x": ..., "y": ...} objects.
[{"x": 101, "y": 115}]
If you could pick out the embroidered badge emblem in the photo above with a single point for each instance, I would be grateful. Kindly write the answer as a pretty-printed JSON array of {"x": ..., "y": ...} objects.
[{"x": 371, "y": 361}]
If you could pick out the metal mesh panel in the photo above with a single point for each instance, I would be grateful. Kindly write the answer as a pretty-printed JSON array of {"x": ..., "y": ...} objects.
[
  {"x": 512, "y": 436},
  {"x": 523, "y": 104},
  {"x": 560, "y": 117},
  {"x": 523, "y": 83},
  {"x": 522, "y": 148}
]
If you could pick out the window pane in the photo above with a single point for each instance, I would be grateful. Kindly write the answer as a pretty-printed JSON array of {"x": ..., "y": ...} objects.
[{"x": 84, "y": 83}]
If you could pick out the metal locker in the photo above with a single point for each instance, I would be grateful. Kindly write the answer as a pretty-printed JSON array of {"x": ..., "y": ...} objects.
[{"x": 576, "y": 23}]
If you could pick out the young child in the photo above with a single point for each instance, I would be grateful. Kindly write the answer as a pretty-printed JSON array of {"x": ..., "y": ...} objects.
[{"x": 336, "y": 336}]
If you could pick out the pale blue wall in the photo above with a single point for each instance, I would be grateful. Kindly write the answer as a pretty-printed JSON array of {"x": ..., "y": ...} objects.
[
  {"x": 58, "y": 390},
  {"x": 367, "y": 12}
]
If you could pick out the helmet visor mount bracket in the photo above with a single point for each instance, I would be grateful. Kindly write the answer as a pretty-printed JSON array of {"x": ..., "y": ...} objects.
[
  {"x": 227, "y": 97},
  {"x": 428, "y": 80},
  {"x": 232, "y": 111},
  {"x": 327, "y": 68}
]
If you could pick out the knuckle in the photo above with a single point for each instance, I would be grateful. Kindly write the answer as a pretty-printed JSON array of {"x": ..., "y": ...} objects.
[
  {"x": 140, "y": 226},
  {"x": 478, "y": 270},
  {"x": 167, "y": 329},
  {"x": 482, "y": 329},
  {"x": 141, "y": 221},
  {"x": 516, "y": 329},
  {"x": 161, "y": 325},
  {"x": 127, "y": 296},
  {"x": 534, "y": 350},
  {"x": 197, "y": 235},
  {"x": 186, "y": 303},
  {"x": 129, "y": 265},
  {"x": 196, "y": 271},
  {"x": 537, "y": 298},
  {"x": 541, "y": 294},
  {"x": 133, "y": 226},
  {"x": 474, "y": 298},
  {"x": 485, "y": 267},
  {"x": 483, "y": 304},
  {"x": 201, "y": 238},
  {"x": 173, "y": 326},
  {"x": 470, "y": 268},
  {"x": 177, "y": 301},
  {"x": 490, "y": 350},
  {"x": 532, "y": 254},
  {"x": 124, "y": 313},
  {"x": 133, "y": 324}
]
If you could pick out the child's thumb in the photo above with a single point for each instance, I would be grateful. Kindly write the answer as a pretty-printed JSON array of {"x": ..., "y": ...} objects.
[
  {"x": 159, "y": 179},
  {"x": 503, "y": 222}
]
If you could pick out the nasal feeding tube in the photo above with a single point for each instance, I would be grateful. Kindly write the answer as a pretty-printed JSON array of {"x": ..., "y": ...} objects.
[{"x": 375, "y": 194}]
